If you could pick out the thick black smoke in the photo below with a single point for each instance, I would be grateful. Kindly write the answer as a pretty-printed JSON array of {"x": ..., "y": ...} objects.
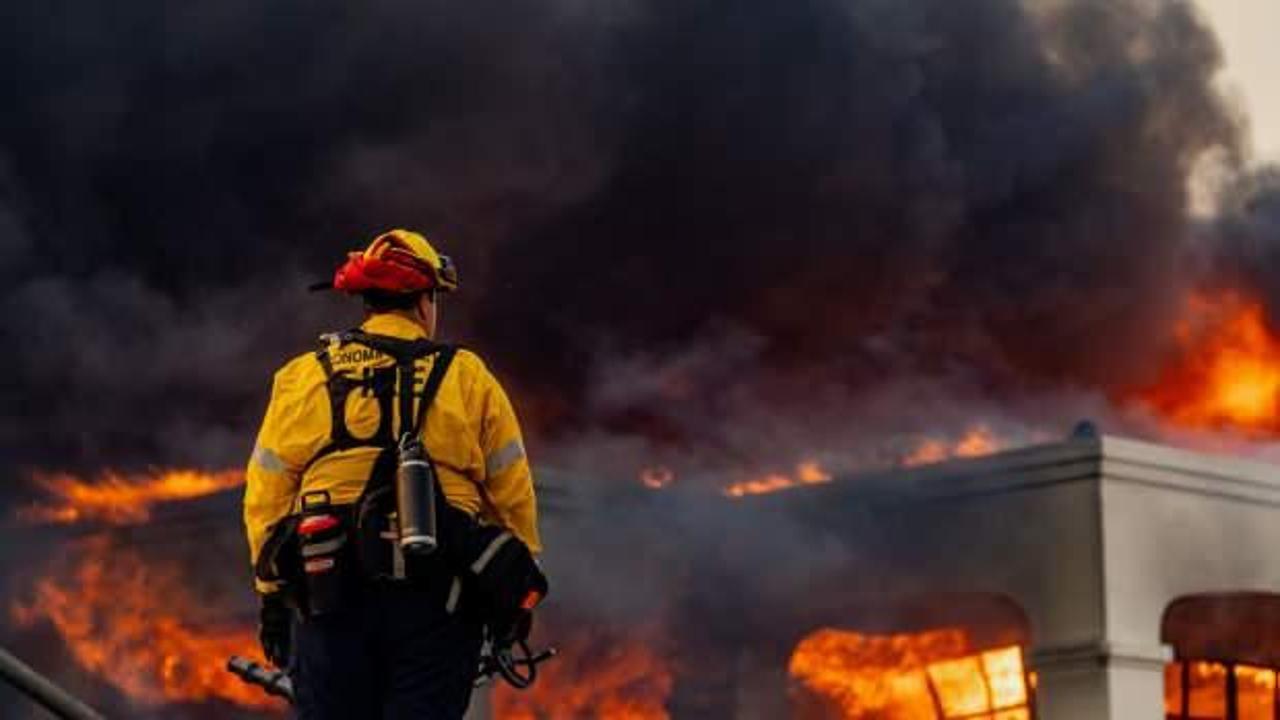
[
  {"x": 173, "y": 178},
  {"x": 774, "y": 199}
]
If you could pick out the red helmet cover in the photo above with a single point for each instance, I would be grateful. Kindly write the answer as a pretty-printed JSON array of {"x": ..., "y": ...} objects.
[{"x": 361, "y": 273}]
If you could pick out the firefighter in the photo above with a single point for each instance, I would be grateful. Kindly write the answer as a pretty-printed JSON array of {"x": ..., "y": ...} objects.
[{"x": 377, "y": 633}]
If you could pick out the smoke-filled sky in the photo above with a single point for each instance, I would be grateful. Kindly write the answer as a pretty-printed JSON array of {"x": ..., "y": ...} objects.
[{"x": 680, "y": 225}]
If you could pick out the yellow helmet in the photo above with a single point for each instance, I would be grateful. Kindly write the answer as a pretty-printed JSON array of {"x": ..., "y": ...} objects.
[{"x": 397, "y": 261}]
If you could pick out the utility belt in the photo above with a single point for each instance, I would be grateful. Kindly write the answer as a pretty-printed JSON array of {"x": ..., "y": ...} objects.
[
  {"x": 327, "y": 554},
  {"x": 323, "y": 559}
]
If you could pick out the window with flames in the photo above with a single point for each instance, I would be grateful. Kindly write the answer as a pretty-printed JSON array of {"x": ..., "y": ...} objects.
[
  {"x": 934, "y": 675},
  {"x": 1208, "y": 690}
]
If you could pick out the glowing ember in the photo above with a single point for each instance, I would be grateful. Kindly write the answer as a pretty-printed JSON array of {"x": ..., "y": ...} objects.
[
  {"x": 976, "y": 442},
  {"x": 656, "y": 478},
  {"x": 925, "y": 676},
  {"x": 624, "y": 680},
  {"x": 1227, "y": 373},
  {"x": 122, "y": 619},
  {"x": 806, "y": 473},
  {"x": 121, "y": 499}
]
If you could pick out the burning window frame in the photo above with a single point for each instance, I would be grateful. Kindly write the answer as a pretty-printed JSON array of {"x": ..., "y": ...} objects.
[{"x": 953, "y": 656}]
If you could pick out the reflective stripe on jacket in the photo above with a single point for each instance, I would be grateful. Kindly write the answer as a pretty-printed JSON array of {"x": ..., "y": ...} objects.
[{"x": 471, "y": 433}]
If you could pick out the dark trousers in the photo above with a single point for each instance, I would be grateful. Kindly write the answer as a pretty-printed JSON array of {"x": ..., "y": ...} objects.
[{"x": 393, "y": 654}]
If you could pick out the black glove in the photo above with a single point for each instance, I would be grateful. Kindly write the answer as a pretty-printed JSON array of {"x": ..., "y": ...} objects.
[
  {"x": 511, "y": 585},
  {"x": 275, "y": 629},
  {"x": 505, "y": 632},
  {"x": 505, "y": 574}
]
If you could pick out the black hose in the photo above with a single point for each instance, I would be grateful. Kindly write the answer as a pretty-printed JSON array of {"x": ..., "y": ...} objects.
[{"x": 40, "y": 689}]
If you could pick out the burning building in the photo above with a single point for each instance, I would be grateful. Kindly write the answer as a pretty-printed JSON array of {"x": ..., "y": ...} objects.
[
  {"x": 1089, "y": 544},
  {"x": 1097, "y": 577}
]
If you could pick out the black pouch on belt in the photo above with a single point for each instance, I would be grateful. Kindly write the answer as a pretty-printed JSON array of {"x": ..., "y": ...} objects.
[
  {"x": 503, "y": 577},
  {"x": 326, "y": 558}
]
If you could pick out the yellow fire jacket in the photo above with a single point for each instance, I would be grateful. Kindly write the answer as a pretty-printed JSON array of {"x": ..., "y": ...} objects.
[{"x": 470, "y": 431}]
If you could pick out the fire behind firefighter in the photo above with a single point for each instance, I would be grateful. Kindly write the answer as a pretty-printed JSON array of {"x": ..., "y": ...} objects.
[{"x": 389, "y": 505}]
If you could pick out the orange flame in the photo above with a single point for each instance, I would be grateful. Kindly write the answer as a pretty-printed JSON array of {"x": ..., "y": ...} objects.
[
  {"x": 925, "y": 676},
  {"x": 122, "y": 619},
  {"x": 1227, "y": 373},
  {"x": 626, "y": 680},
  {"x": 1206, "y": 691},
  {"x": 808, "y": 472},
  {"x": 975, "y": 442},
  {"x": 121, "y": 499}
]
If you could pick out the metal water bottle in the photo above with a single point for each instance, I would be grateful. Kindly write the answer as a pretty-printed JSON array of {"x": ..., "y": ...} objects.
[{"x": 415, "y": 499}]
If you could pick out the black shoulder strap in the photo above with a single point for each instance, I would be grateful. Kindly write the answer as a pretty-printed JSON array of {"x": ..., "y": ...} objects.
[
  {"x": 431, "y": 387},
  {"x": 322, "y": 355}
]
